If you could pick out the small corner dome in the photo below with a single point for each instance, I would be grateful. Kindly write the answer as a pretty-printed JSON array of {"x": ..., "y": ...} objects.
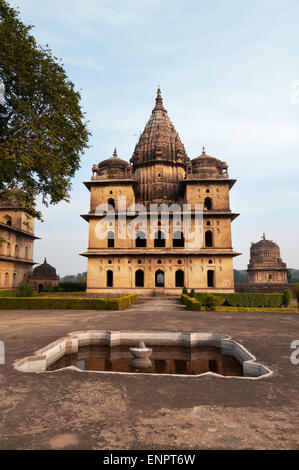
[
  {"x": 113, "y": 162},
  {"x": 207, "y": 166}
]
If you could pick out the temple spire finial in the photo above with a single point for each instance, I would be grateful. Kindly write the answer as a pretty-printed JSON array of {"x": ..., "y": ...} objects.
[
  {"x": 203, "y": 150},
  {"x": 115, "y": 153},
  {"x": 264, "y": 236},
  {"x": 159, "y": 101}
]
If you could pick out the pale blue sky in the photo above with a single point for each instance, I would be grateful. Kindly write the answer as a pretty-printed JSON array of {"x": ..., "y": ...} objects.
[{"x": 225, "y": 68}]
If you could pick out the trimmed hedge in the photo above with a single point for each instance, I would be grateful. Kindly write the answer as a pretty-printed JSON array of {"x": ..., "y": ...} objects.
[
  {"x": 253, "y": 300},
  {"x": 209, "y": 301},
  {"x": 236, "y": 302},
  {"x": 7, "y": 293},
  {"x": 57, "y": 303},
  {"x": 256, "y": 309},
  {"x": 191, "y": 303}
]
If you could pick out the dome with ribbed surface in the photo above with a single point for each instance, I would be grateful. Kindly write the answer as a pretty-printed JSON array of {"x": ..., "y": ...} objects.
[
  {"x": 159, "y": 141},
  {"x": 205, "y": 166},
  {"x": 114, "y": 162},
  {"x": 44, "y": 271},
  {"x": 265, "y": 252}
]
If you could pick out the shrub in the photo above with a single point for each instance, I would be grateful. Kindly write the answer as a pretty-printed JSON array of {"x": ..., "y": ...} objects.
[
  {"x": 192, "y": 293},
  {"x": 210, "y": 301},
  {"x": 47, "y": 303},
  {"x": 25, "y": 290},
  {"x": 190, "y": 302},
  {"x": 185, "y": 291},
  {"x": 287, "y": 298}
]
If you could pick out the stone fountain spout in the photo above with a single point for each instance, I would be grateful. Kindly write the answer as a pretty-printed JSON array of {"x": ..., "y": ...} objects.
[{"x": 141, "y": 356}]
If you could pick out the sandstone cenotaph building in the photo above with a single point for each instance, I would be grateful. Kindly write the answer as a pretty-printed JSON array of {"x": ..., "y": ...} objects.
[
  {"x": 17, "y": 243},
  {"x": 160, "y": 172},
  {"x": 265, "y": 264}
]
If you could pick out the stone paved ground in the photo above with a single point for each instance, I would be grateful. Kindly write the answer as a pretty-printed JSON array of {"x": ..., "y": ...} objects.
[{"x": 73, "y": 410}]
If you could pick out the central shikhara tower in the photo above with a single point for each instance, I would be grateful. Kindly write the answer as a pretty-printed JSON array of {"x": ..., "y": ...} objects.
[{"x": 160, "y": 172}]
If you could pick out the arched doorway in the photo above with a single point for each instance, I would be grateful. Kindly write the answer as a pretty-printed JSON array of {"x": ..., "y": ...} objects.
[
  {"x": 111, "y": 203},
  {"x": 159, "y": 240},
  {"x": 178, "y": 240},
  {"x": 210, "y": 276},
  {"x": 40, "y": 287},
  {"x": 14, "y": 280},
  {"x": 208, "y": 203},
  {"x": 208, "y": 238},
  {"x": 140, "y": 240},
  {"x": 159, "y": 278},
  {"x": 109, "y": 278},
  {"x": 179, "y": 278},
  {"x": 139, "y": 278},
  {"x": 110, "y": 239},
  {"x": 6, "y": 280}
]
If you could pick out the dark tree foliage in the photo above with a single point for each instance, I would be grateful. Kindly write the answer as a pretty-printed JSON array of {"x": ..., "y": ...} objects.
[{"x": 42, "y": 128}]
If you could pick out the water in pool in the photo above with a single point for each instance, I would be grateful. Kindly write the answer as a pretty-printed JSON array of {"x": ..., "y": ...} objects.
[{"x": 164, "y": 360}]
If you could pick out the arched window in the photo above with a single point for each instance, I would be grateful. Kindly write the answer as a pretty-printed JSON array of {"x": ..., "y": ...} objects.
[
  {"x": 8, "y": 249},
  {"x": 140, "y": 240},
  {"x": 111, "y": 202},
  {"x": 178, "y": 240},
  {"x": 26, "y": 252},
  {"x": 208, "y": 222},
  {"x": 159, "y": 261},
  {"x": 209, "y": 238},
  {"x": 210, "y": 276},
  {"x": 159, "y": 240},
  {"x": 14, "y": 280},
  {"x": 179, "y": 278},
  {"x": 159, "y": 278},
  {"x": 17, "y": 251},
  {"x": 210, "y": 261},
  {"x": 139, "y": 278},
  {"x": 6, "y": 280},
  {"x": 110, "y": 239},
  {"x": 109, "y": 278},
  {"x": 208, "y": 203},
  {"x": 8, "y": 220}
]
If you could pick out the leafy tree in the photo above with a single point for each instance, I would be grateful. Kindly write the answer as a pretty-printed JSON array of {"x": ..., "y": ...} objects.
[{"x": 42, "y": 127}]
